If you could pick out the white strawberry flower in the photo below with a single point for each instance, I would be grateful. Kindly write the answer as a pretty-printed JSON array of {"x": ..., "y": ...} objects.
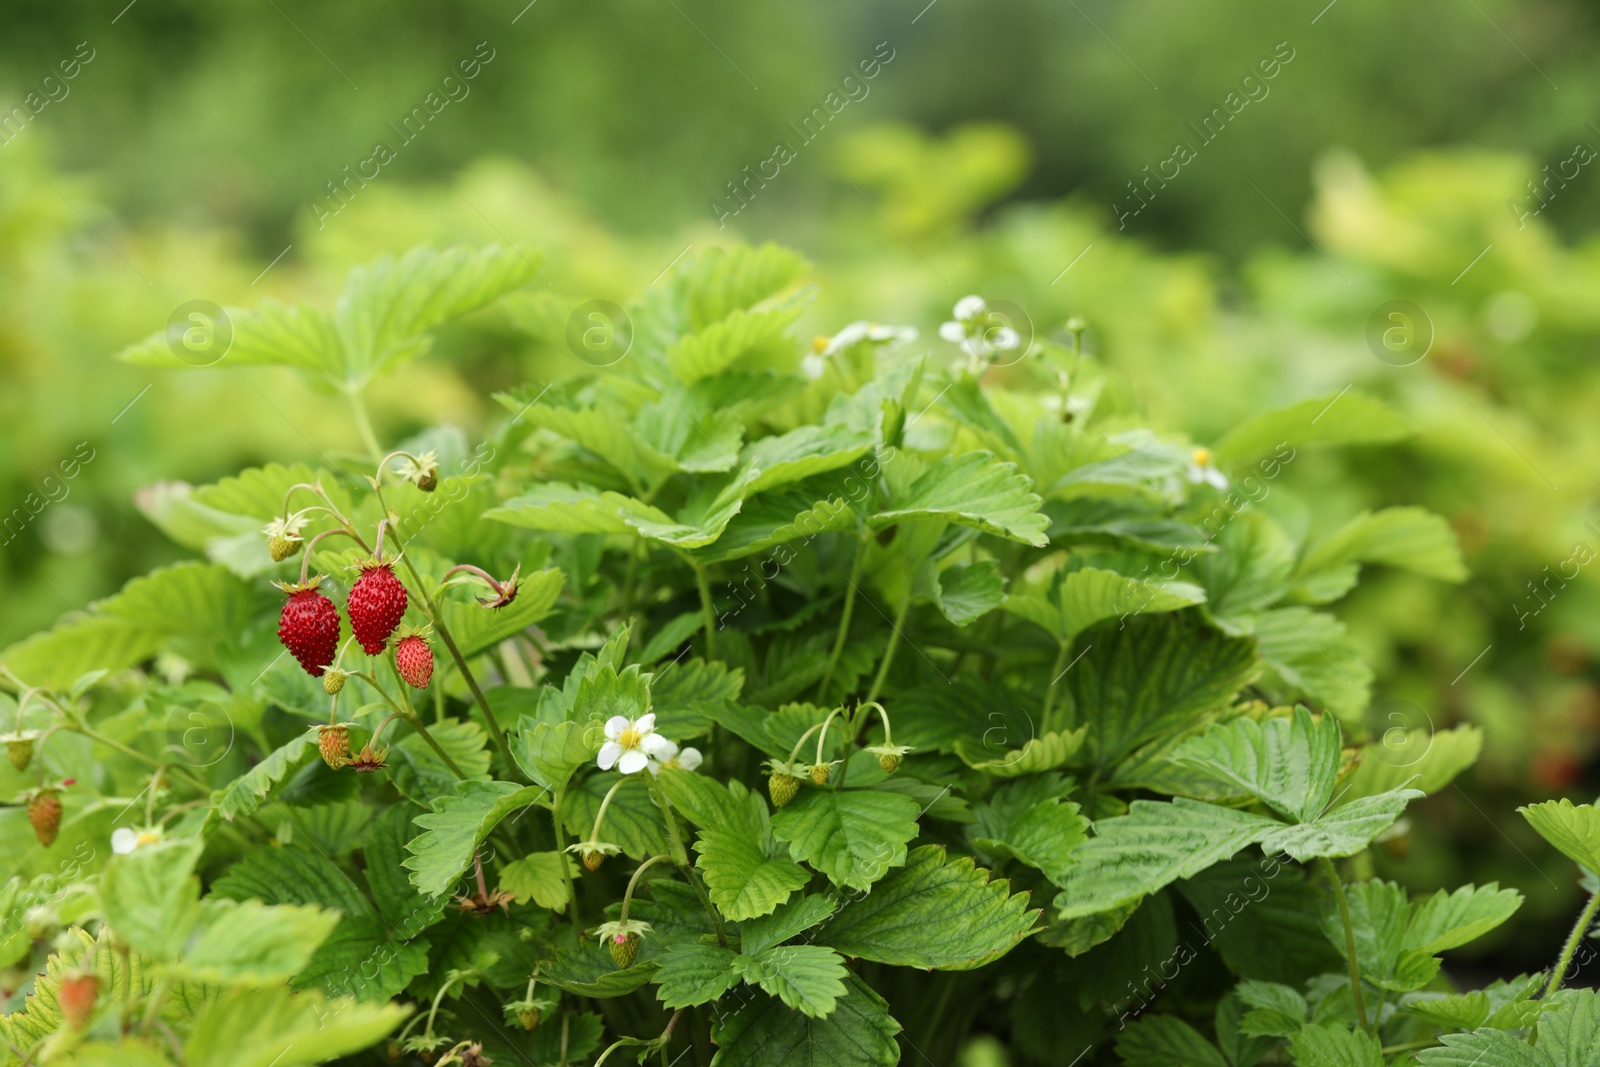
[
  {"x": 687, "y": 759},
  {"x": 124, "y": 840},
  {"x": 969, "y": 308},
  {"x": 632, "y": 743},
  {"x": 1202, "y": 470}
]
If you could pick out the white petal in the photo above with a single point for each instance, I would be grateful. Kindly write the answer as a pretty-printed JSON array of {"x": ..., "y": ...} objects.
[
  {"x": 1003, "y": 338},
  {"x": 633, "y": 761},
  {"x": 609, "y": 753},
  {"x": 813, "y": 366},
  {"x": 953, "y": 332},
  {"x": 1196, "y": 475},
  {"x": 1216, "y": 478},
  {"x": 123, "y": 840},
  {"x": 658, "y": 746},
  {"x": 615, "y": 725},
  {"x": 645, "y": 723},
  {"x": 969, "y": 307},
  {"x": 689, "y": 759}
]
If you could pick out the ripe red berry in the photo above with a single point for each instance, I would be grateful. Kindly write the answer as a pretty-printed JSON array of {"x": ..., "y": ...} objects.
[
  {"x": 44, "y": 812},
  {"x": 415, "y": 660},
  {"x": 309, "y": 627},
  {"x": 377, "y": 603},
  {"x": 77, "y": 994}
]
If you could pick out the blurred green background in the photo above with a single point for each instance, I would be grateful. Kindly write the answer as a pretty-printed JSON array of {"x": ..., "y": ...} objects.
[{"x": 994, "y": 149}]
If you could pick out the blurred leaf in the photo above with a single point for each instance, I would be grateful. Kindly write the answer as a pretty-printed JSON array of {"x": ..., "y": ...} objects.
[{"x": 1346, "y": 418}]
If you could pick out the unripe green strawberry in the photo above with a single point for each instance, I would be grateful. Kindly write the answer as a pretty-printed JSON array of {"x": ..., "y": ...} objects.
[
  {"x": 333, "y": 681},
  {"x": 819, "y": 773},
  {"x": 624, "y": 949},
  {"x": 592, "y": 859},
  {"x": 20, "y": 751},
  {"x": 782, "y": 788},
  {"x": 44, "y": 812},
  {"x": 79, "y": 990},
  {"x": 280, "y": 547},
  {"x": 889, "y": 762},
  {"x": 334, "y": 744}
]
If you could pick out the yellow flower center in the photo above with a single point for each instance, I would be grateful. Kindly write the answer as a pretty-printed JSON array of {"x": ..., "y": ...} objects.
[
  {"x": 1202, "y": 456},
  {"x": 149, "y": 837},
  {"x": 629, "y": 738},
  {"x": 819, "y": 343}
]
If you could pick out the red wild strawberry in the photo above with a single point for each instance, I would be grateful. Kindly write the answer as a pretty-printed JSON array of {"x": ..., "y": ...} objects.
[
  {"x": 376, "y": 605},
  {"x": 77, "y": 995},
  {"x": 309, "y": 626},
  {"x": 44, "y": 812},
  {"x": 414, "y": 659}
]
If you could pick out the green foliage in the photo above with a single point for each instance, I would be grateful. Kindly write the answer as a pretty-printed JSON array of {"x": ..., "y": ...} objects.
[{"x": 1153, "y": 755}]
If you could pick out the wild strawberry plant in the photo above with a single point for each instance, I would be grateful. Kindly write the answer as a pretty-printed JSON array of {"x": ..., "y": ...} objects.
[{"x": 745, "y": 708}]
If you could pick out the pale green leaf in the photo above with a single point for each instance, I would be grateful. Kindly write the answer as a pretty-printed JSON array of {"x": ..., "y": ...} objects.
[
  {"x": 274, "y": 1028},
  {"x": 1334, "y": 1045},
  {"x": 723, "y": 342},
  {"x": 967, "y": 591},
  {"x": 1045, "y": 752},
  {"x": 250, "y": 943},
  {"x": 1420, "y": 758},
  {"x": 244, "y": 794},
  {"x": 1346, "y": 418},
  {"x": 1312, "y": 651},
  {"x": 150, "y": 897},
  {"x": 537, "y": 877},
  {"x": 273, "y": 334},
  {"x": 550, "y": 754},
  {"x": 1574, "y": 829},
  {"x": 1411, "y": 538}
]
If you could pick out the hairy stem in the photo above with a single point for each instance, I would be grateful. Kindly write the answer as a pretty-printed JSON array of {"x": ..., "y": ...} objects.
[
  {"x": 1332, "y": 874},
  {"x": 358, "y": 409},
  {"x": 888, "y": 653},
  {"x": 1574, "y": 939},
  {"x": 561, "y": 850},
  {"x": 704, "y": 583},
  {"x": 844, "y": 620}
]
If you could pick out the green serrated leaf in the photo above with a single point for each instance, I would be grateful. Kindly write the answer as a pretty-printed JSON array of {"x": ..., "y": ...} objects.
[
  {"x": 973, "y": 490},
  {"x": 274, "y": 1028},
  {"x": 455, "y": 828},
  {"x": 933, "y": 913},
  {"x": 1290, "y": 764},
  {"x": 852, "y": 836},
  {"x": 764, "y": 1032},
  {"x": 1079, "y": 599},
  {"x": 550, "y": 754},
  {"x": 1574, "y": 829},
  {"x": 691, "y": 973},
  {"x": 809, "y": 978},
  {"x": 538, "y": 877},
  {"x": 793, "y": 917},
  {"x": 1345, "y": 418},
  {"x": 744, "y": 883},
  {"x": 1166, "y": 1041}
]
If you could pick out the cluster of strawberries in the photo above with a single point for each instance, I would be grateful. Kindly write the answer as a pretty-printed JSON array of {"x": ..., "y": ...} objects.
[{"x": 309, "y": 626}]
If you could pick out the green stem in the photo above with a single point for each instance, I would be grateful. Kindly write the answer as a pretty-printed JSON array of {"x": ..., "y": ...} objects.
[
  {"x": 1332, "y": 874},
  {"x": 561, "y": 850},
  {"x": 681, "y": 858},
  {"x": 627, "y": 894},
  {"x": 888, "y": 653},
  {"x": 358, "y": 408},
  {"x": 414, "y": 721},
  {"x": 1579, "y": 929},
  {"x": 1055, "y": 674},
  {"x": 111, "y": 742},
  {"x": 844, "y": 619},
  {"x": 704, "y": 583}
]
